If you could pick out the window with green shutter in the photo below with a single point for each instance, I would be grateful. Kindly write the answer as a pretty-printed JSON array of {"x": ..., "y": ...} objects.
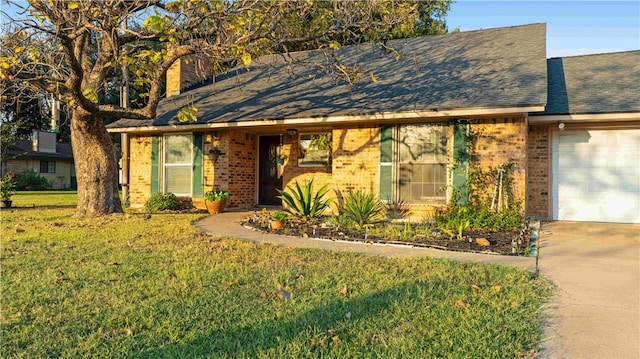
[
  {"x": 460, "y": 162},
  {"x": 386, "y": 163},
  {"x": 198, "y": 178},
  {"x": 422, "y": 163},
  {"x": 178, "y": 164},
  {"x": 155, "y": 164}
]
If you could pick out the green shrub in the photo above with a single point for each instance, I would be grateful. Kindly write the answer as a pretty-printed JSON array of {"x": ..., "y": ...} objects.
[
  {"x": 161, "y": 201},
  {"x": 479, "y": 217},
  {"x": 362, "y": 208},
  {"x": 303, "y": 202},
  {"x": 30, "y": 181}
]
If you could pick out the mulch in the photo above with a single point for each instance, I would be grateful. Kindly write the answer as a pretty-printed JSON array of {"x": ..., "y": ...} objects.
[{"x": 504, "y": 242}]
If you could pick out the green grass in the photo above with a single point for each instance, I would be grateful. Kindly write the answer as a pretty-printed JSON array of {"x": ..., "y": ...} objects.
[
  {"x": 26, "y": 199},
  {"x": 132, "y": 286}
]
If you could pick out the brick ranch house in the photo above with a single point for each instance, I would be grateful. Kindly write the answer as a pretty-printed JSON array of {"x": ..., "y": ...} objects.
[{"x": 399, "y": 129}]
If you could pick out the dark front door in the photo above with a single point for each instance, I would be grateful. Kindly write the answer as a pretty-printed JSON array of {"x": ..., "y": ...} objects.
[{"x": 270, "y": 176}]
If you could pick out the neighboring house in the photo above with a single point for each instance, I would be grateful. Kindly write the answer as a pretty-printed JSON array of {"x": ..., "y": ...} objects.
[
  {"x": 400, "y": 130},
  {"x": 44, "y": 156}
]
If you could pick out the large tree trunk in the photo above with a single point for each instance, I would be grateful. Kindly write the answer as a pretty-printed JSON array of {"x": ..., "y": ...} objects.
[{"x": 96, "y": 166}]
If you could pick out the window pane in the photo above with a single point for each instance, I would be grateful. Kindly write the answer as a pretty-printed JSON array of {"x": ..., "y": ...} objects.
[
  {"x": 177, "y": 179},
  {"x": 423, "y": 143},
  {"x": 423, "y": 183},
  {"x": 178, "y": 149},
  {"x": 311, "y": 156},
  {"x": 422, "y": 153}
]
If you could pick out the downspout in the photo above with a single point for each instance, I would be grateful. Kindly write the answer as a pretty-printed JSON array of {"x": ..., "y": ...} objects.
[{"x": 124, "y": 139}]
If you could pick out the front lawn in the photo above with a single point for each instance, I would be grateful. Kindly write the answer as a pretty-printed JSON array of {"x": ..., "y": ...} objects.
[{"x": 139, "y": 285}]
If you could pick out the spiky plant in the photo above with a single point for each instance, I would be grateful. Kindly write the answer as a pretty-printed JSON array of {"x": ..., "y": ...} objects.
[
  {"x": 301, "y": 200},
  {"x": 363, "y": 208}
]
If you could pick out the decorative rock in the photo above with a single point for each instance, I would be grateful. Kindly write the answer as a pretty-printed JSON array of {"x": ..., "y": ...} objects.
[{"x": 483, "y": 242}]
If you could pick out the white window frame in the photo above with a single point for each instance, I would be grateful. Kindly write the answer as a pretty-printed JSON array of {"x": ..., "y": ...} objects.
[{"x": 185, "y": 164}]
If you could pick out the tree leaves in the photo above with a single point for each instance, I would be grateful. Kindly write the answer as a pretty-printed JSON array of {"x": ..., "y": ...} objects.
[
  {"x": 91, "y": 95},
  {"x": 188, "y": 114},
  {"x": 246, "y": 59}
]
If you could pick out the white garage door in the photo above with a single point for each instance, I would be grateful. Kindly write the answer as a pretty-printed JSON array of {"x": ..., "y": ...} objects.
[{"x": 596, "y": 175}]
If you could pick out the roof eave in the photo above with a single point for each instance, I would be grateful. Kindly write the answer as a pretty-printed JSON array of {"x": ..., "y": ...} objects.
[
  {"x": 584, "y": 117},
  {"x": 378, "y": 117}
]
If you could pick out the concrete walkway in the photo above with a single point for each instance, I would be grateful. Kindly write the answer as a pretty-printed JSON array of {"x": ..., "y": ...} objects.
[
  {"x": 228, "y": 224},
  {"x": 595, "y": 266}
]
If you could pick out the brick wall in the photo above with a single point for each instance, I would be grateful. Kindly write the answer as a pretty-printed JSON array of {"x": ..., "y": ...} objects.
[
  {"x": 242, "y": 169},
  {"x": 356, "y": 161},
  {"x": 356, "y": 157},
  {"x": 184, "y": 74},
  {"x": 503, "y": 140},
  {"x": 538, "y": 149},
  {"x": 292, "y": 173},
  {"x": 139, "y": 170}
]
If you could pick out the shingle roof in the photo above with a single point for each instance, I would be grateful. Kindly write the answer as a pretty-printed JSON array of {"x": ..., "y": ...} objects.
[
  {"x": 592, "y": 84},
  {"x": 501, "y": 67},
  {"x": 24, "y": 149}
]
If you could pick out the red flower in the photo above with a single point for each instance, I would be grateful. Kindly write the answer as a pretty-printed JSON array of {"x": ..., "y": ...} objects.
[{"x": 12, "y": 175}]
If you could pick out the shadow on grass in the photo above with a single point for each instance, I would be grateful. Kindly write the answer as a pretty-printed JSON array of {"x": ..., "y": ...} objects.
[{"x": 326, "y": 320}]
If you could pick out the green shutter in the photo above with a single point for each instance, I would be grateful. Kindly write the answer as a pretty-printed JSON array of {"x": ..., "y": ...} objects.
[
  {"x": 198, "y": 144},
  {"x": 386, "y": 163},
  {"x": 461, "y": 162},
  {"x": 155, "y": 164}
]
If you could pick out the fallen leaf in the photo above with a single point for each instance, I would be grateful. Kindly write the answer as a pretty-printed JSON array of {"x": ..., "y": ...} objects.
[
  {"x": 336, "y": 340},
  {"x": 495, "y": 288},
  {"x": 129, "y": 332},
  {"x": 460, "y": 304},
  {"x": 343, "y": 290},
  {"x": 263, "y": 295},
  {"x": 348, "y": 315},
  {"x": 476, "y": 288}
]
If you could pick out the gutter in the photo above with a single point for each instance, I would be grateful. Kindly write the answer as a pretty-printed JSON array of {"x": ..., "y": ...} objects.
[
  {"x": 340, "y": 119},
  {"x": 585, "y": 117}
]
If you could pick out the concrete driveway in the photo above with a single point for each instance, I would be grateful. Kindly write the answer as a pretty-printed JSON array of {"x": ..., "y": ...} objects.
[{"x": 596, "y": 268}]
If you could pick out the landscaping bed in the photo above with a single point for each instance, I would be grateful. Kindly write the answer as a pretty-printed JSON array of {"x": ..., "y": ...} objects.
[{"x": 506, "y": 242}]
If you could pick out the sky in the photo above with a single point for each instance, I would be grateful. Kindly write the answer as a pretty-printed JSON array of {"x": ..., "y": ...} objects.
[{"x": 575, "y": 27}]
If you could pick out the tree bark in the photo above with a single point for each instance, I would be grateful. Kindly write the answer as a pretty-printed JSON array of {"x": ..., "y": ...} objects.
[{"x": 96, "y": 166}]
